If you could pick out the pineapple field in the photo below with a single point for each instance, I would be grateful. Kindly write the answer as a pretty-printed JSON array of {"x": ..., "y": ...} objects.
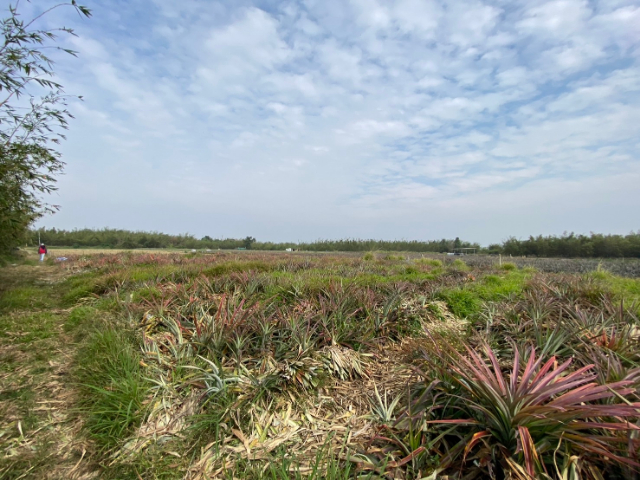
[{"x": 289, "y": 365}]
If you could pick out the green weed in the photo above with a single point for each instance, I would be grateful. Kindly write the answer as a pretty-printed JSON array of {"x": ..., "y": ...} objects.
[
  {"x": 459, "y": 265},
  {"x": 76, "y": 294},
  {"x": 26, "y": 298},
  {"x": 432, "y": 262},
  {"x": 146, "y": 293},
  {"x": 27, "y": 328},
  {"x": 462, "y": 303},
  {"x": 80, "y": 317},
  {"x": 111, "y": 385}
]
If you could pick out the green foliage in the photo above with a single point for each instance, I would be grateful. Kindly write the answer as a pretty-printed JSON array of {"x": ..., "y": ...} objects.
[
  {"x": 458, "y": 264},
  {"x": 116, "y": 238},
  {"x": 111, "y": 386},
  {"x": 79, "y": 287},
  {"x": 596, "y": 245},
  {"x": 572, "y": 245},
  {"x": 25, "y": 298},
  {"x": 432, "y": 262},
  {"x": 466, "y": 301},
  {"x": 462, "y": 302},
  {"x": 150, "y": 294},
  {"x": 369, "y": 256},
  {"x": 495, "y": 288},
  {"x": 247, "y": 242},
  {"x": 508, "y": 266},
  {"x": 30, "y": 327},
  {"x": 80, "y": 317},
  {"x": 28, "y": 161},
  {"x": 492, "y": 280},
  {"x": 72, "y": 296}
]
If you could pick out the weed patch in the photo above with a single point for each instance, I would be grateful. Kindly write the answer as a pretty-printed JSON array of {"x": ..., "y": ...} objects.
[
  {"x": 462, "y": 303},
  {"x": 459, "y": 266},
  {"x": 111, "y": 385},
  {"x": 25, "y": 298},
  {"x": 80, "y": 319}
]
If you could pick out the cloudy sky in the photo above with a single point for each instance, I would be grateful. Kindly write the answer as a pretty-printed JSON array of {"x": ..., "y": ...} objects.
[{"x": 299, "y": 120}]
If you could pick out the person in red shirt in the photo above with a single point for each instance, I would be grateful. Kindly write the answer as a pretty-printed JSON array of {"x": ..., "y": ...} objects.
[{"x": 42, "y": 251}]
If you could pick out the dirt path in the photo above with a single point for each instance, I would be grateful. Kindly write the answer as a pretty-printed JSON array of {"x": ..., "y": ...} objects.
[{"x": 40, "y": 436}]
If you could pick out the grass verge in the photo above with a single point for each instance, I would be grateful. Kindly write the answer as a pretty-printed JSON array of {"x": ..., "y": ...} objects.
[{"x": 111, "y": 386}]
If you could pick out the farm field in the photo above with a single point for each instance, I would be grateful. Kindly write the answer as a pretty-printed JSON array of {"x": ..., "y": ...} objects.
[
  {"x": 626, "y": 267},
  {"x": 293, "y": 365},
  {"x": 81, "y": 252}
]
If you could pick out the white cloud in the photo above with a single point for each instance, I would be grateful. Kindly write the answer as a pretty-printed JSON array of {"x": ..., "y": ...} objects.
[{"x": 332, "y": 119}]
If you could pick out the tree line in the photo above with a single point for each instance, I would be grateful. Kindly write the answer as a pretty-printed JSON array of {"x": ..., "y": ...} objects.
[
  {"x": 118, "y": 238},
  {"x": 567, "y": 245},
  {"x": 570, "y": 245}
]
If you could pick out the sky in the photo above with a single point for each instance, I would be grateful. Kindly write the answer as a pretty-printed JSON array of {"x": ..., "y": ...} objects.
[{"x": 325, "y": 119}]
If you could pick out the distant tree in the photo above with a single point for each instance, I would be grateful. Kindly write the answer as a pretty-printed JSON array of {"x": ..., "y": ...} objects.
[
  {"x": 494, "y": 249},
  {"x": 247, "y": 242},
  {"x": 129, "y": 243},
  {"x": 207, "y": 238},
  {"x": 30, "y": 126},
  {"x": 457, "y": 243}
]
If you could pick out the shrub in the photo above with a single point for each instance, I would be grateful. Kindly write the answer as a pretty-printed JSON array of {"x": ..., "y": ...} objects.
[{"x": 508, "y": 266}]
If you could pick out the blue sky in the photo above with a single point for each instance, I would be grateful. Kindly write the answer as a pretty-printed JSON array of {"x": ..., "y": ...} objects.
[{"x": 298, "y": 120}]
